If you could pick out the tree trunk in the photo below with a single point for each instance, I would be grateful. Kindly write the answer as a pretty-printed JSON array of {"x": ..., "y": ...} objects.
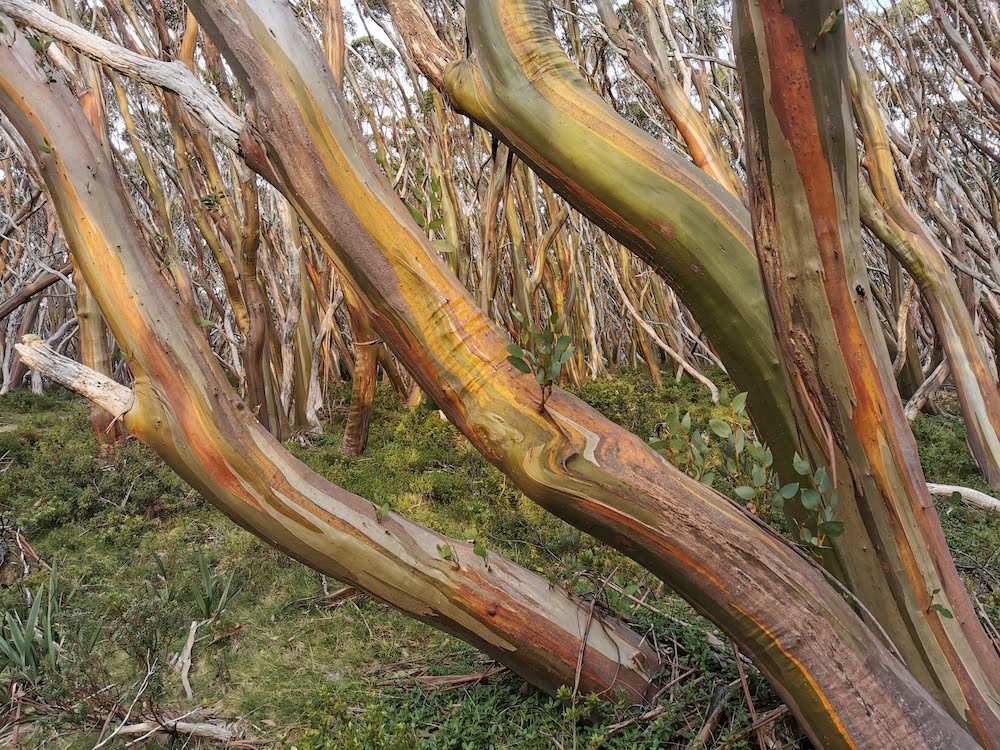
[
  {"x": 185, "y": 410},
  {"x": 804, "y": 203},
  {"x": 841, "y": 680}
]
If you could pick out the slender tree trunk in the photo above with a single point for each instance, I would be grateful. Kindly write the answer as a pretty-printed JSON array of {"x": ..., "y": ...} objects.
[
  {"x": 914, "y": 245},
  {"x": 363, "y": 381},
  {"x": 95, "y": 354}
]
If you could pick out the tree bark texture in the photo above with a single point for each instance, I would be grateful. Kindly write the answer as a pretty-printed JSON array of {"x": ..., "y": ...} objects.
[
  {"x": 804, "y": 202},
  {"x": 186, "y": 411}
]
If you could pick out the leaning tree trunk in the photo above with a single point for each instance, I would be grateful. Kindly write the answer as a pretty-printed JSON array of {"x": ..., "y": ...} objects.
[
  {"x": 565, "y": 456},
  {"x": 841, "y": 680},
  {"x": 913, "y": 244},
  {"x": 184, "y": 408},
  {"x": 517, "y": 82},
  {"x": 802, "y": 164}
]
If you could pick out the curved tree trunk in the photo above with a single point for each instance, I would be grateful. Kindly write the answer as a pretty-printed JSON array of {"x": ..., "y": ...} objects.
[
  {"x": 518, "y": 83},
  {"x": 914, "y": 246},
  {"x": 844, "y": 684},
  {"x": 804, "y": 202},
  {"x": 567, "y": 457},
  {"x": 184, "y": 409}
]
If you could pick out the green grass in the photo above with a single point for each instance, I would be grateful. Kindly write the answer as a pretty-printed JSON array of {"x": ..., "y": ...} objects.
[{"x": 294, "y": 668}]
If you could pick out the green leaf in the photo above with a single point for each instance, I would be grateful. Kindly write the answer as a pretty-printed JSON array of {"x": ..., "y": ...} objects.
[
  {"x": 45, "y": 148},
  {"x": 443, "y": 246},
  {"x": 686, "y": 422},
  {"x": 745, "y": 493},
  {"x": 943, "y": 611},
  {"x": 955, "y": 497},
  {"x": 756, "y": 451},
  {"x": 481, "y": 551},
  {"x": 739, "y": 403},
  {"x": 708, "y": 479},
  {"x": 810, "y": 499},
  {"x": 739, "y": 440},
  {"x": 757, "y": 476},
  {"x": 515, "y": 350},
  {"x": 436, "y": 224},
  {"x": 788, "y": 491},
  {"x": 445, "y": 551},
  {"x": 822, "y": 480},
  {"x": 800, "y": 465},
  {"x": 720, "y": 427},
  {"x": 520, "y": 365},
  {"x": 832, "y": 528},
  {"x": 418, "y": 216}
]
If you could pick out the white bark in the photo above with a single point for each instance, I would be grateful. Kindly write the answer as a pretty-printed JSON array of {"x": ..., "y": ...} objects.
[
  {"x": 971, "y": 497},
  {"x": 113, "y": 397},
  {"x": 172, "y": 76}
]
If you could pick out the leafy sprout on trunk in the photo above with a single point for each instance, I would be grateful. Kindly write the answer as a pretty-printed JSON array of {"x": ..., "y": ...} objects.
[{"x": 545, "y": 357}]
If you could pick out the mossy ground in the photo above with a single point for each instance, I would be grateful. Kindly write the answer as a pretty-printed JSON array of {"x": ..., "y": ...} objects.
[{"x": 298, "y": 668}]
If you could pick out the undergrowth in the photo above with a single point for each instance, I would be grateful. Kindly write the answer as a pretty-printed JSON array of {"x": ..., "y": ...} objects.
[{"x": 294, "y": 660}]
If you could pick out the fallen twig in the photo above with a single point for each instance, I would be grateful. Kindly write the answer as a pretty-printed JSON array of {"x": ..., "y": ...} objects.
[
  {"x": 203, "y": 730},
  {"x": 185, "y": 659},
  {"x": 447, "y": 681},
  {"x": 969, "y": 496},
  {"x": 714, "y": 714}
]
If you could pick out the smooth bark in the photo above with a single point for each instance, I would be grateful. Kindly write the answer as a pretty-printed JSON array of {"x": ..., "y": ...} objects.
[
  {"x": 186, "y": 411},
  {"x": 804, "y": 203}
]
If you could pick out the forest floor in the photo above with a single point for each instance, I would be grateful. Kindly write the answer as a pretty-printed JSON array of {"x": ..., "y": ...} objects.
[{"x": 283, "y": 657}]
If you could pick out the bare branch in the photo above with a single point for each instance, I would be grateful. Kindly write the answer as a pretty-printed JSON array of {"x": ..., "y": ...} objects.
[
  {"x": 172, "y": 76},
  {"x": 105, "y": 392}
]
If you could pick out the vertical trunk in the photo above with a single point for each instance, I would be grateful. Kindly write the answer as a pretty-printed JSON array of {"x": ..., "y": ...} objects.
[
  {"x": 366, "y": 351},
  {"x": 95, "y": 354},
  {"x": 804, "y": 203}
]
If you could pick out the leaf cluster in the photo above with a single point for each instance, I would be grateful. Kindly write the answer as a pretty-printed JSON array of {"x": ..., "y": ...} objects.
[
  {"x": 728, "y": 451},
  {"x": 545, "y": 356}
]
